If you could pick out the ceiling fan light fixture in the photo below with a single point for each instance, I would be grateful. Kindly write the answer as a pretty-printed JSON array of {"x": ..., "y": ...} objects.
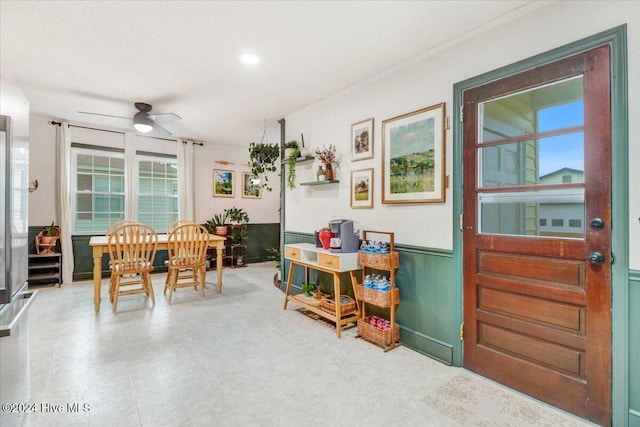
[{"x": 142, "y": 123}]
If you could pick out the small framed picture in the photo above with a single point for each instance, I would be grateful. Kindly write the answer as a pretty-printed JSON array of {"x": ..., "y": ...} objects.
[
  {"x": 362, "y": 189},
  {"x": 362, "y": 140},
  {"x": 223, "y": 183},
  {"x": 251, "y": 186}
]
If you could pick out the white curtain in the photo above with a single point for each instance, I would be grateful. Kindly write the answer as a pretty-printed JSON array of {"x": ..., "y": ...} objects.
[
  {"x": 186, "y": 172},
  {"x": 63, "y": 172},
  {"x": 129, "y": 182}
]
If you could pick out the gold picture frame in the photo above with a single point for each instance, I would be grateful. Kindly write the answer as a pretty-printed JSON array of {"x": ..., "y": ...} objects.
[
  {"x": 361, "y": 189},
  {"x": 251, "y": 188},
  {"x": 362, "y": 140},
  {"x": 413, "y": 157},
  {"x": 223, "y": 183}
]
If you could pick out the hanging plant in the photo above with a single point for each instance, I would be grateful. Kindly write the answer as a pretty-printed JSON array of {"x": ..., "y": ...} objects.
[
  {"x": 291, "y": 177},
  {"x": 263, "y": 158}
]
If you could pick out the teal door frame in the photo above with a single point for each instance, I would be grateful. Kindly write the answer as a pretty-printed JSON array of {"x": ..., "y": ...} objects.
[{"x": 616, "y": 38}]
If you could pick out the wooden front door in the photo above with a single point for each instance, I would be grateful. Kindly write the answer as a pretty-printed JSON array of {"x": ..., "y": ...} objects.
[{"x": 537, "y": 233}]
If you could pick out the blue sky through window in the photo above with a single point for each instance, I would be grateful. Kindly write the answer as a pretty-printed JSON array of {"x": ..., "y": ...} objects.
[{"x": 565, "y": 151}]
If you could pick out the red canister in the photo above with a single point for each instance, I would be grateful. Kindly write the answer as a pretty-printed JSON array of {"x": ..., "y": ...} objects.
[{"x": 325, "y": 236}]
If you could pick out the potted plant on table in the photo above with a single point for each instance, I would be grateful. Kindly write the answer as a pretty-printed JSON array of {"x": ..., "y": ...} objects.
[{"x": 263, "y": 158}]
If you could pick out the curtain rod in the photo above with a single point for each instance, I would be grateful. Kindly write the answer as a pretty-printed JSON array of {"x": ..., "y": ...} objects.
[
  {"x": 195, "y": 143},
  {"x": 114, "y": 131}
]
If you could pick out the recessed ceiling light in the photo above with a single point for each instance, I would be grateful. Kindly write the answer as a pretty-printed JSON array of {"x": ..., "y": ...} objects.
[{"x": 250, "y": 59}]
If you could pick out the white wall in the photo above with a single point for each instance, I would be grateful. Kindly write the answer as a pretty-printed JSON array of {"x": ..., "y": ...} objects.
[
  {"x": 429, "y": 80},
  {"x": 42, "y": 167}
]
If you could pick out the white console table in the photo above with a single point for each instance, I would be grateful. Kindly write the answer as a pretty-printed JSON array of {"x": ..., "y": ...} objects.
[{"x": 308, "y": 256}]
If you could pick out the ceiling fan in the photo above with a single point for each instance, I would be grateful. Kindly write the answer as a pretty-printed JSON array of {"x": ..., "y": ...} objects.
[{"x": 143, "y": 121}]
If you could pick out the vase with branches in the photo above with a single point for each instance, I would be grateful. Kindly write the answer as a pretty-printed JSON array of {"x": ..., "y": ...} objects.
[{"x": 327, "y": 155}]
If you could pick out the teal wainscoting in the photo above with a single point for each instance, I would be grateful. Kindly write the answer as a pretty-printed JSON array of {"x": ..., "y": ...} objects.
[
  {"x": 634, "y": 348},
  {"x": 260, "y": 235},
  {"x": 428, "y": 311}
]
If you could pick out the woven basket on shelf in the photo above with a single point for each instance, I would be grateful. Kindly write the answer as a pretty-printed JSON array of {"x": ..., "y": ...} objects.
[
  {"x": 347, "y": 305},
  {"x": 377, "y": 336},
  {"x": 379, "y": 261},
  {"x": 375, "y": 297}
]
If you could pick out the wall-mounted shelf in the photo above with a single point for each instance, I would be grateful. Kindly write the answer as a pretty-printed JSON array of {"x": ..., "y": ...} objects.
[
  {"x": 300, "y": 160},
  {"x": 333, "y": 181}
]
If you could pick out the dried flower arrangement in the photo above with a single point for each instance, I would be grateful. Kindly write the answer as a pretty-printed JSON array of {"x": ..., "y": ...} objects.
[{"x": 326, "y": 155}]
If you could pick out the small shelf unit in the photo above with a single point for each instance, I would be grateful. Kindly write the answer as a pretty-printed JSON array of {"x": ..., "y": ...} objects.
[
  {"x": 45, "y": 268},
  {"x": 389, "y": 262}
]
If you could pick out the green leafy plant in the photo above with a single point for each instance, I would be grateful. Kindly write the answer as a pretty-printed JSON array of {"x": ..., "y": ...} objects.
[
  {"x": 308, "y": 287},
  {"x": 291, "y": 176},
  {"x": 217, "y": 220},
  {"x": 50, "y": 230},
  {"x": 291, "y": 144},
  {"x": 273, "y": 254},
  {"x": 237, "y": 215},
  {"x": 263, "y": 158}
]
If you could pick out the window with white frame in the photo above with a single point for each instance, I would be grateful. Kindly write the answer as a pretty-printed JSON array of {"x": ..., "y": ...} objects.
[
  {"x": 101, "y": 193},
  {"x": 99, "y": 190},
  {"x": 157, "y": 190}
]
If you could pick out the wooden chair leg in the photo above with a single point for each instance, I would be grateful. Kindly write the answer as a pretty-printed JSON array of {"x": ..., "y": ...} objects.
[
  {"x": 172, "y": 281},
  {"x": 116, "y": 290},
  {"x": 149, "y": 285}
]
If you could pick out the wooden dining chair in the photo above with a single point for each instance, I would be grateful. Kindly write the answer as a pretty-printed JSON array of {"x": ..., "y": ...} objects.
[
  {"x": 187, "y": 250},
  {"x": 132, "y": 249},
  {"x": 132, "y": 279},
  {"x": 183, "y": 274}
]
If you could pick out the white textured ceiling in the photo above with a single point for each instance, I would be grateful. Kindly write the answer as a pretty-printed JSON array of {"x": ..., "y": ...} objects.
[{"x": 183, "y": 56}]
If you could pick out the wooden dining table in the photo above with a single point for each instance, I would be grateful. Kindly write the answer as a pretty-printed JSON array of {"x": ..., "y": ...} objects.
[{"x": 100, "y": 247}]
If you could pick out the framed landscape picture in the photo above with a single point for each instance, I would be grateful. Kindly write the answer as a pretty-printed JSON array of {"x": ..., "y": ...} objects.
[
  {"x": 362, "y": 140},
  {"x": 223, "y": 183},
  {"x": 362, "y": 189},
  {"x": 251, "y": 186},
  {"x": 413, "y": 157}
]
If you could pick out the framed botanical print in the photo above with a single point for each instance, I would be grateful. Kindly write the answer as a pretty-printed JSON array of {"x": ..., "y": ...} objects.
[
  {"x": 362, "y": 189},
  {"x": 223, "y": 183},
  {"x": 362, "y": 140},
  {"x": 251, "y": 186},
  {"x": 413, "y": 157}
]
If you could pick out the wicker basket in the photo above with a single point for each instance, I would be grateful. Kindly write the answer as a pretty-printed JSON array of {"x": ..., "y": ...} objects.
[
  {"x": 380, "y": 261},
  {"x": 377, "y": 336},
  {"x": 347, "y": 305},
  {"x": 375, "y": 297}
]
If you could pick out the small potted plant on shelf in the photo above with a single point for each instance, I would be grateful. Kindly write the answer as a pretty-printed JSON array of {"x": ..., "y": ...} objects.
[
  {"x": 289, "y": 149},
  {"x": 262, "y": 160},
  {"x": 291, "y": 176},
  {"x": 308, "y": 288},
  {"x": 237, "y": 215},
  {"x": 47, "y": 238},
  {"x": 327, "y": 155}
]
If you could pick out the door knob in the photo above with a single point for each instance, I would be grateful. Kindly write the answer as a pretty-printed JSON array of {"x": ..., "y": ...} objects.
[
  {"x": 596, "y": 224},
  {"x": 596, "y": 258}
]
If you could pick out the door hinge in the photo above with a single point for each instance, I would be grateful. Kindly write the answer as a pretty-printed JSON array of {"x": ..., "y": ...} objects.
[
  {"x": 461, "y": 221},
  {"x": 612, "y": 258},
  {"x": 462, "y": 331},
  {"x": 462, "y": 114}
]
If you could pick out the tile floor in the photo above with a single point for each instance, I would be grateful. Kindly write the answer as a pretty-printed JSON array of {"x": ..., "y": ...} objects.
[{"x": 230, "y": 359}]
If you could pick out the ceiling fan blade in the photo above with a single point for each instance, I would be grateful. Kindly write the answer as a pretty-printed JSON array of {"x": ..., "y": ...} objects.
[
  {"x": 159, "y": 130},
  {"x": 104, "y": 115},
  {"x": 166, "y": 117}
]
